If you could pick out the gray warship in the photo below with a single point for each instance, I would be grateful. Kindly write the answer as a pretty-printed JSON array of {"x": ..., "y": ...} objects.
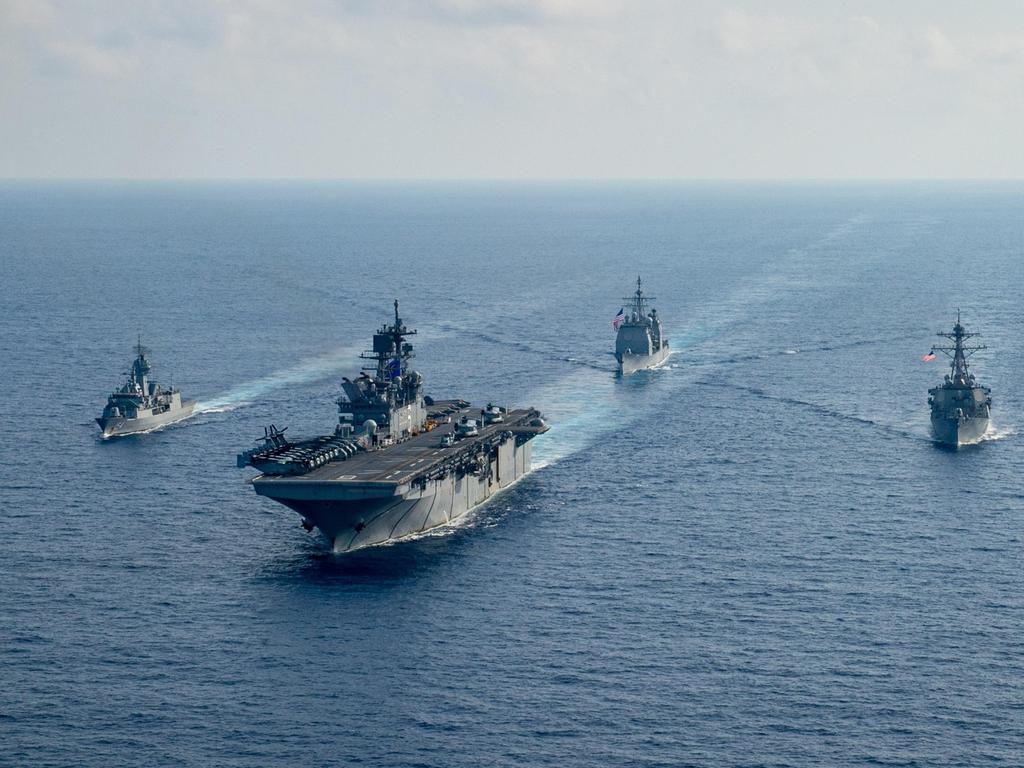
[
  {"x": 960, "y": 407},
  {"x": 640, "y": 342},
  {"x": 397, "y": 463},
  {"x": 141, "y": 405}
]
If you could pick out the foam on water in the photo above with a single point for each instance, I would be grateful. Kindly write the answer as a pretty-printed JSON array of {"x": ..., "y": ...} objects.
[
  {"x": 588, "y": 405},
  {"x": 996, "y": 432},
  {"x": 579, "y": 407},
  {"x": 319, "y": 368}
]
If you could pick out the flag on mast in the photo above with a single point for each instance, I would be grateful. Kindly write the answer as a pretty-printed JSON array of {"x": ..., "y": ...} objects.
[
  {"x": 619, "y": 319},
  {"x": 929, "y": 357}
]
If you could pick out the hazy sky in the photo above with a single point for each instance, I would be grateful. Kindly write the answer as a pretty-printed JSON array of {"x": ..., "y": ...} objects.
[{"x": 512, "y": 88}]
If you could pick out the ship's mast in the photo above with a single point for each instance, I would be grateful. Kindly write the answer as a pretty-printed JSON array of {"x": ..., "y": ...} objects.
[
  {"x": 638, "y": 301},
  {"x": 141, "y": 366},
  {"x": 390, "y": 353},
  {"x": 959, "y": 352}
]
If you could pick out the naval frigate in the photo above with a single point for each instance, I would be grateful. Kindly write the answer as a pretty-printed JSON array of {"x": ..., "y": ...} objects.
[
  {"x": 141, "y": 405},
  {"x": 398, "y": 463},
  {"x": 960, "y": 407},
  {"x": 640, "y": 340}
]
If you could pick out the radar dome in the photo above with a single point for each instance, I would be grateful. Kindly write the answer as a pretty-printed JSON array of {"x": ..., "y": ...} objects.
[{"x": 370, "y": 427}]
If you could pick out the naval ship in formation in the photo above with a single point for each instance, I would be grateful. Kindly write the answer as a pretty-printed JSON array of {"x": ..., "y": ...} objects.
[
  {"x": 141, "y": 405},
  {"x": 960, "y": 407},
  {"x": 397, "y": 463},
  {"x": 640, "y": 340}
]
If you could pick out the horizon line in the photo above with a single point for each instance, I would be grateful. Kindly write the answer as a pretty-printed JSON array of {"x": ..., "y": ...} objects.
[{"x": 518, "y": 179}]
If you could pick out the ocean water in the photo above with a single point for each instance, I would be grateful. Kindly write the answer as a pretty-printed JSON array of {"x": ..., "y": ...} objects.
[{"x": 754, "y": 556}]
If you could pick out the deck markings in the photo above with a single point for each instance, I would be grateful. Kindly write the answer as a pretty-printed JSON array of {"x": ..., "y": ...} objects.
[{"x": 403, "y": 460}]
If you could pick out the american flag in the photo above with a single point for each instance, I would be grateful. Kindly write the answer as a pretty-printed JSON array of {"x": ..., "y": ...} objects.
[
  {"x": 929, "y": 357},
  {"x": 619, "y": 319}
]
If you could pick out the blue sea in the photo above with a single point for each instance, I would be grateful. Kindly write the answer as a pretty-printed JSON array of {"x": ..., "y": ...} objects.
[{"x": 754, "y": 556}]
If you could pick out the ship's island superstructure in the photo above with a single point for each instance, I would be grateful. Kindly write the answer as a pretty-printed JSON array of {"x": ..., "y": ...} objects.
[
  {"x": 640, "y": 342},
  {"x": 142, "y": 405},
  {"x": 398, "y": 463},
  {"x": 960, "y": 408}
]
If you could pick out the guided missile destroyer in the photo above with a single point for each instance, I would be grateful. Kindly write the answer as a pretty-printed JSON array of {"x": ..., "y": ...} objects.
[
  {"x": 960, "y": 407},
  {"x": 640, "y": 342},
  {"x": 397, "y": 463},
  {"x": 141, "y": 405}
]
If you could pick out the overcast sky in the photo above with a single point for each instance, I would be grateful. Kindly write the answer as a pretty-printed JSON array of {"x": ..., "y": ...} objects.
[{"x": 512, "y": 89}]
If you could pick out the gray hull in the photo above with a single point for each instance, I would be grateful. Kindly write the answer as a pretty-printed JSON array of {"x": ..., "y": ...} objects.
[
  {"x": 352, "y": 517},
  {"x": 629, "y": 363},
  {"x": 953, "y": 431},
  {"x": 120, "y": 426}
]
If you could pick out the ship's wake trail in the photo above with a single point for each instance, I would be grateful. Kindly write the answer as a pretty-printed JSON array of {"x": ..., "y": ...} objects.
[
  {"x": 589, "y": 402},
  {"x": 995, "y": 432},
  {"x": 511, "y": 342},
  {"x": 319, "y": 368},
  {"x": 580, "y": 409},
  {"x": 587, "y": 406},
  {"x": 713, "y": 359},
  {"x": 909, "y": 430},
  {"x": 322, "y": 367}
]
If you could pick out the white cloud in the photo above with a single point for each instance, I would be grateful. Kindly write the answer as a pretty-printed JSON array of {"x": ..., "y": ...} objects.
[
  {"x": 91, "y": 59},
  {"x": 25, "y": 13},
  {"x": 742, "y": 32},
  {"x": 504, "y": 88},
  {"x": 942, "y": 53}
]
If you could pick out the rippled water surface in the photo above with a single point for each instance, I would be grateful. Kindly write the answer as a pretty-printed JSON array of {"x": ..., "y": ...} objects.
[{"x": 753, "y": 556}]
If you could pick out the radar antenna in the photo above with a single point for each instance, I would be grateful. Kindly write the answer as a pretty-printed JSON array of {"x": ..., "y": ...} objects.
[
  {"x": 390, "y": 352},
  {"x": 140, "y": 366},
  {"x": 959, "y": 352},
  {"x": 638, "y": 302}
]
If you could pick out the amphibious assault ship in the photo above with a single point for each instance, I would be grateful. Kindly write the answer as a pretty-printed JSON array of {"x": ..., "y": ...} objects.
[
  {"x": 960, "y": 407},
  {"x": 141, "y": 405},
  {"x": 640, "y": 342},
  {"x": 397, "y": 463}
]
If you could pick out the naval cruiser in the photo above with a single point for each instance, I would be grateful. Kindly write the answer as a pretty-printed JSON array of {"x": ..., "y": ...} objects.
[
  {"x": 960, "y": 407},
  {"x": 141, "y": 405},
  {"x": 398, "y": 463},
  {"x": 640, "y": 341}
]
